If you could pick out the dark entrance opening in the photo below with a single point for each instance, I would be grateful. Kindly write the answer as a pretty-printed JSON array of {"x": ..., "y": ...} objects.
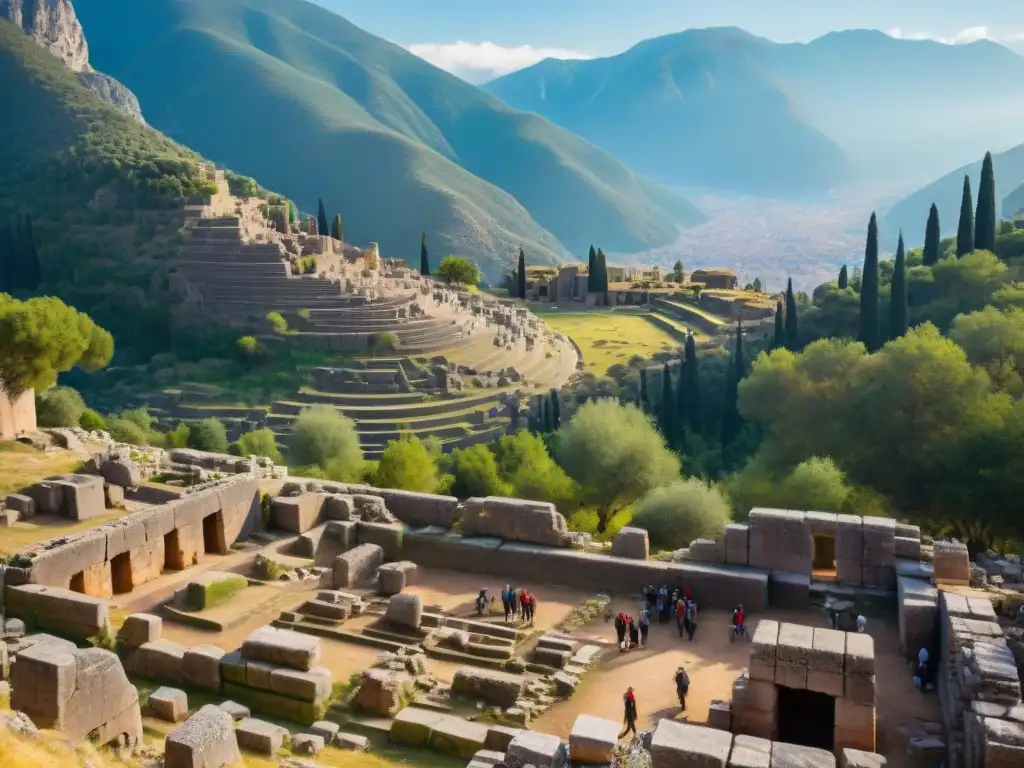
[
  {"x": 213, "y": 534},
  {"x": 121, "y": 573},
  {"x": 807, "y": 718},
  {"x": 78, "y": 583},
  {"x": 824, "y": 564},
  {"x": 172, "y": 552}
]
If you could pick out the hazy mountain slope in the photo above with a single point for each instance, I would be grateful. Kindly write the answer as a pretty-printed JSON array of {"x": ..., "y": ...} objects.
[
  {"x": 1013, "y": 203},
  {"x": 313, "y": 106},
  {"x": 911, "y": 213},
  {"x": 722, "y": 108},
  {"x": 699, "y": 107}
]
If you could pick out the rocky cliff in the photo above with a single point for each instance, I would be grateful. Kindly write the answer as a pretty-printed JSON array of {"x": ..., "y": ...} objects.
[{"x": 54, "y": 25}]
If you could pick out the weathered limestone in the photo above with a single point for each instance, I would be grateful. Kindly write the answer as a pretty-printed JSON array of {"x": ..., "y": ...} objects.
[
  {"x": 25, "y": 506},
  {"x": 515, "y": 520},
  {"x": 496, "y": 688},
  {"x": 632, "y": 543},
  {"x": 139, "y": 629},
  {"x": 405, "y": 611},
  {"x": 325, "y": 729},
  {"x": 122, "y": 473},
  {"x": 205, "y": 740},
  {"x": 780, "y": 540},
  {"x": 282, "y": 646},
  {"x": 387, "y": 536},
  {"x": 855, "y": 758},
  {"x": 78, "y": 497},
  {"x": 307, "y": 744},
  {"x": 169, "y": 704},
  {"x": 260, "y": 736},
  {"x": 201, "y": 666},
  {"x": 737, "y": 543},
  {"x": 336, "y": 538},
  {"x": 750, "y": 752},
  {"x": 538, "y": 749},
  {"x": 952, "y": 563},
  {"x": 592, "y": 740},
  {"x": 58, "y": 610},
  {"x": 392, "y": 578},
  {"x": 159, "y": 660},
  {"x": 235, "y": 710},
  {"x": 764, "y": 650},
  {"x": 455, "y": 736},
  {"x": 298, "y": 514},
  {"x": 382, "y": 691},
  {"x": 77, "y": 692},
  {"x": 357, "y": 566},
  {"x": 680, "y": 745},
  {"x": 794, "y": 756},
  {"x": 794, "y": 651}
]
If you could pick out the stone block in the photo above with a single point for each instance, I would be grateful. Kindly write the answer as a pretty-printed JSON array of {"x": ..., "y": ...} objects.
[
  {"x": 498, "y": 689},
  {"x": 413, "y": 726},
  {"x": 232, "y": 668},
  {"x": 170, "y": 704},
  {"x": 854, "y": 717},
  {"x": 551, "y": 657},
  {"x": 500, "y": 736},
  {"x": 951, "y": 562},
  {"x": 908, "y": 548},
  {"x": 791, "y": 676},
  {"x": 307, "y": 744},
  {"x": 338, "y": 537},
  {"x": 860, "y": 654},
  {"x": 235, "y": 710},
  {"x": 340, "y": 507},
  {"x": 382, "y": 691},
  {"x": 205, "y": 740},
  {"x": 631, "y": 543},
  {"x": 592, "y": 740},
  {"x": 750, "y": 752},
  {"x": 682, "y": 745},
  {"x": 795, "y": 756},
  {"x": 761, "y": 695},
  {"x": 298, "y": 514},
  {"x": 860, "y": 689},
  {"x": 308, "y": 543},
  {"x": 538, "y": 749},
  {"x": 283, "y": 647},
  {"x": 753, "y": 722},
  {"x": 487, "y": 758},
  {"x": 737, "y": 543},
  {"x": 392, "y": 578},
  {"x": 113, "y": 495},
  {"x": 387, "y": 536},
  {"x": 352, "y": 741},
  {"x": 258, "y": 674},
  {"x": 855, "y": 758},
  {"x": 325, "y": 729},
  {"x": 312, "y": 686},
  {"x": 457, "y": 737},
  {"x": 48, "y": 496},
  {"x": 122, "y": 473},
  {"x": 849, "y": 571},
  {"x": 260, "y": 736},
  {"x": 878, "y": 576},
  {"x": 825, "y": 682},
  {"x": 201, "y": 666},
  {"x": 789, "y": 591},
  {"x": 796, "y": 642},
  {"x": 159, "y": 660},
  {"x": 57, "y": 610},
  {"x": 82, "y": 498},
  {"x": 822, "y": 523},
  {"x": 765, "y": 641},
  {"x": 24, "y": 505},
  {"x": 828, "y": 651},
  {"x": 139, "y": 629},
  {"x": 405, "y": 611},
  {"x": 720, "y": 715},
  {"x": 8, "y": 517},
  {"x": 357, "y": 566}
]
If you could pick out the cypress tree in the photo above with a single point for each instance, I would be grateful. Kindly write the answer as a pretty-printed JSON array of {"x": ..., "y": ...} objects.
[
  {"x": 321, "y": 219},
  {"x": 731, "y": 421},
  {"x": 424, "y": 259},
  {"x": 521, "y": 275},
  {"x": 985, "y": 219},
  {"x": 844, "y": 278},
  {"x": 690, "y": 368},
  {"x": 898, "y": 302},
  {"x": 780, "y": 326},
  {"x": 337, "y": 231},
  {"x": 792, "y": 324},
  {"x": 965, "y": 232},
  {"x": 6, "y": 259},
  {"x": 591, "y": 269},
  {"x": 668, "y": 417},
  {"x": 870, "y": 330},
  {"x": 644, "y": 398},
  {"x": 680, "y": 412},
  {"x": 556, "y": 411},
  {"x": 601, "y": 284},
  {"x": 932, "y": 235}
]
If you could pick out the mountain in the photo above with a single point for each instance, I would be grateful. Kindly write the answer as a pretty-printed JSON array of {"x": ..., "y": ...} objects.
[
  {"x": 724, "y": 109},
  {"x": 1013, "y": 203},
  {"x": 53, "y": 24},
  {"x": 697, "y": 108},
  {"x": 313, "y": 106},
  {"x": 911, "y": 213},
  {"x": 103, "y": 192}
]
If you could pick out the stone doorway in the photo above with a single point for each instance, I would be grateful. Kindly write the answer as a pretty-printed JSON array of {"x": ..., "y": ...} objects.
[
  {"x": 121, "y": 574},
  {"x": 172, "y": 552},
  {"x": 807, "y": 718},
  {"x": 78, "y": 583},
  {"x": 824, "y": 556},
  {"x": 213, "y": 534}
]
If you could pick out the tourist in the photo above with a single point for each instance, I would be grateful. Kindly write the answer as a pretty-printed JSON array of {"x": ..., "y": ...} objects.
[
  {"x": 629, "y": 712},
  {"x": 651, "y": 595},
  {"x": 524, "y": 604},
  {"x": 662, "y": 604},
  {"x": 533, "y": 607},
  {"x": 862, "y": 623},
  {"x": 921, "y": 676},
  {"x": 645, "y": 625},
  {"x": 737, "y": 621},
  {"x": 690, "y": 619},
  {"x": 634, "y": 633},
  {"x": 681, "y": 616},
  {"x": 620, "y": 630},
  {"x": 506, "y": 601},
  {"x": 682, "y": 686}
]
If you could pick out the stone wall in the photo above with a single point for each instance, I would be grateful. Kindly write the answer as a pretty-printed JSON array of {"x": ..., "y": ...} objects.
[
  {"x": 57, "y": 610},
  {"x": 17, "y": 414},
  {"x": 414, "y": 509},
  {"x": 120, "y": 555}
]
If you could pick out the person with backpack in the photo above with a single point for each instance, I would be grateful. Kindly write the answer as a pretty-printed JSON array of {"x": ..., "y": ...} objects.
[
  {"x": 690, "y": 619},
  {"x": 681, "y": 616},
  {"x": 682, "y": 686},
  {"x": 506, "y": 601},
  {"x": 629, "y": 712},
  {"x": 644, "y": 625}
]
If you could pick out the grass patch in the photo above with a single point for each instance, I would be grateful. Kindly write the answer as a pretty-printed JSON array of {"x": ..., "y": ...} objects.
[
  {"x": 607, "y": 337},
  {"x": 584, "y": 613},
  {"x": 22, "y": 465},
  {"x": 199, "y": 596}
]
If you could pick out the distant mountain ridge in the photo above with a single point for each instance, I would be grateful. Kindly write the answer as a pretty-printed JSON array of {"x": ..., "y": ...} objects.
[
  {"x": 725, "y": 109},
  {"x": 313, "y": 106}
]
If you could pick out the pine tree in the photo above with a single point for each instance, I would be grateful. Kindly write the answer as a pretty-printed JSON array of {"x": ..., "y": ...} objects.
[
  {"x": 521, "y": 275},
  {"x": 556, "y": 411},
  {"x": 932, "y": 235},
  {"x": 337, "y": 231},
  {"x": 667, "y": 420},
  {"x": 780, "y": 326},
  {"x": 985, "y": 219},
  {"x": 321, "y": 219},
  {"x": 870, "y": 330},
  {"x": 731, "y": 420},
  {"x": 690, "y": 368},
  {"x": 898, "y": 300},
  {"x": 591, "y": 270},
  {"x": 844, "y": 278},
  {"x": 792, "y": 323},
  {"x": 424, "y": 259},
  {"x": 644, "y": 397},
  {"x": 965, "y": 232}
]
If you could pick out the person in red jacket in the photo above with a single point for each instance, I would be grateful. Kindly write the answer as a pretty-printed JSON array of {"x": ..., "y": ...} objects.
[{"x": 629, "y": 706}]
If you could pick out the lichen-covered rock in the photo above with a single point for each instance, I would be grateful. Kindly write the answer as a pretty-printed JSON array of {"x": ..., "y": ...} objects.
[{"x": 405, "y": 611}]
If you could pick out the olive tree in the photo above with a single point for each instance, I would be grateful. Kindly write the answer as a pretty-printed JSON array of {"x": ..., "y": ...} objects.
[
  {"x": 323, "y": 437},
  {"x": 676, "y": 514}
]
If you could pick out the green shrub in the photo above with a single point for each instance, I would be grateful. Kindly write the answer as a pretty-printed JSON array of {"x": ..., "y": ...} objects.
[
  {"x": 178, "y": 437},
  {"x": 676, "y": 514},
  {"x": 59, "y": 407},
  {"x": 105, "y": 639},
  {"x": 322, "y": 436},
  {"x": 381, "y": 342},
  {"x": 250, "y": 349},
  {"x": 92, "y": 421},
  {"x": 406, "y": 464},
  {"x": 140, "y": 417},
  {"x": 208, "y": 435},
  {"x": 124, "y": 431},
  {"x": 199, "y": 596},
  {"x": 259, "y": 442},
  {"x": 277, "y": 323}
]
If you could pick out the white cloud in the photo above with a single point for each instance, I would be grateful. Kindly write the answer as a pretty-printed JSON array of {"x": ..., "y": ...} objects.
[
  {"x": 480, "y": 62},
  {"x": 964, "y": 36}
]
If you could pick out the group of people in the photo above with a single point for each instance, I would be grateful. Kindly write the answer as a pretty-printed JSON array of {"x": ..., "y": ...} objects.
[
  {"x": 678, "y": 604},
  {"x": 519, "y": 604},
  {"x": 632, "y": 633}
]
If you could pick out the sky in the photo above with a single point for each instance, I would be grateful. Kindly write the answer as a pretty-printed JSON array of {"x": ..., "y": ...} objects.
[{"x": 482, "y": 39}]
